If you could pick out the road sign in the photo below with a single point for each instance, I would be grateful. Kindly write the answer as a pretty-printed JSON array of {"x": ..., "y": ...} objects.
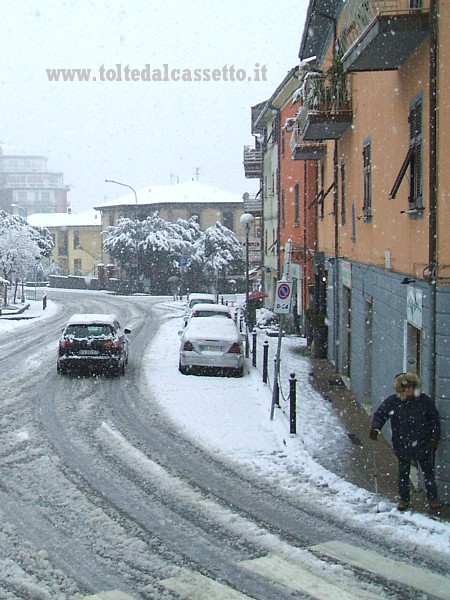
[{"x": 283, "y": 297}]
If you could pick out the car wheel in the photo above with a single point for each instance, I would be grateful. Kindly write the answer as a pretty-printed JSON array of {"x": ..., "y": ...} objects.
[
  {"x": 183, "y": 370},
  {"x": 60, "y": 369},
  {"x": 239, "y": 372}
]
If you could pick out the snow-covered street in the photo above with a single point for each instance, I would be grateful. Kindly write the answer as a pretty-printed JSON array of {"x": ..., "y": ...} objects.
[{"x": 142, "y": 482}]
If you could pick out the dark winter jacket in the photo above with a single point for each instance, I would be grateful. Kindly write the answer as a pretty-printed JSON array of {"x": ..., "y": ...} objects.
[{"x": 414, "y": 421}]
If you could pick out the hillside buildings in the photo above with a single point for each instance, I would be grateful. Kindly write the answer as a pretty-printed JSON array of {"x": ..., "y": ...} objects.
[{"x": 26, "y": 185}]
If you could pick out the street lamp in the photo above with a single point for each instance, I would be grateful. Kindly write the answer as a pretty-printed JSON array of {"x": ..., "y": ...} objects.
[
  {"x": 136, "y": 201},
  {"x": 246, "y": 220},
  {"x": 21, "y": 208}
]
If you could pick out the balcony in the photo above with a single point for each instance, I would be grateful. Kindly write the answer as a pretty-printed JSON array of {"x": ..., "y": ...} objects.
[
  {"x": 306, "y": 150},
  {"x": 326, "y": 111},
  {"x": 252, "y": 204},
  {"x": 252, "y": 162},
  {"x": 381, "y": 35}
]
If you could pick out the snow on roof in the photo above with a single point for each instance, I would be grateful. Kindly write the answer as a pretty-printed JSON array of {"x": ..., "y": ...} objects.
[
  {"x": 190, "y": 191},
  {"x": 85, "y": 219},
  {"x": 8, "y": 150},
  {"x": 87, "y": 318}
]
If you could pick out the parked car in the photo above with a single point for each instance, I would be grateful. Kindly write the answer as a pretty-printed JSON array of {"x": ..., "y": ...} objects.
[
  {"x": 194, "y": 299},
  {"x": 93, "y": 341},
  {"x": 212, "y": 343},
  {"x": 211, "y": 310}
]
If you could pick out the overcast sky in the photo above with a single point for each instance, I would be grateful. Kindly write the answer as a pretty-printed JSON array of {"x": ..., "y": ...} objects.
[{"x": 141, "y": 132}]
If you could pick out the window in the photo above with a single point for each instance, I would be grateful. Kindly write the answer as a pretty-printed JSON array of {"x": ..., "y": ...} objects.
[
  {"x": 63, "y": 243},
  {"x": 228, "y": 220},
  {"x": 283, "y": 208},
  {"x": 415, "y": 142},
  {"x": 77, "y": 266},
  {"x": 343, "y": 208},
  {"x": 297, "y": 205},
  {"x": 283, "y": 143},
  {"x": 76, "y": 240},
  {"x": 353, "y": 236},
  {"x": 413, "y": 160},
  {"x": 367, "y": 177}
]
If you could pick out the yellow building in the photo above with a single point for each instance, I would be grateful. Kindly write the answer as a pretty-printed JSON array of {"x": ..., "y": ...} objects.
[{"x": 77, "y": 239}]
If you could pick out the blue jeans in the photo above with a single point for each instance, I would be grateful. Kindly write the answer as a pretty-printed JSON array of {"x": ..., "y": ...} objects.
[{"x": 426, "y": 462}]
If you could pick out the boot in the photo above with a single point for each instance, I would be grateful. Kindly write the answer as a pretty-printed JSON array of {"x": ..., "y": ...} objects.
[
  {"x": 434, "y": 504},
  {"x": 403, "y": 505}
]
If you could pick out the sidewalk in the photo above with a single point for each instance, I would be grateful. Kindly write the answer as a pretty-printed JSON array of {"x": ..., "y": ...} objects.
[{"x": 370, "y": 465}]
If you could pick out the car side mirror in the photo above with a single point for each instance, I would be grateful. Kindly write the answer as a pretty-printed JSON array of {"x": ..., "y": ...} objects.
[{"x": 126, "y": 330}]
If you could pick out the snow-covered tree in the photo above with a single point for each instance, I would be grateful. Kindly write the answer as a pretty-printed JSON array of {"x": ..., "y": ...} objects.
[
  {"x": 21, "y": 246},
  {"x": 160, "y": 246}
]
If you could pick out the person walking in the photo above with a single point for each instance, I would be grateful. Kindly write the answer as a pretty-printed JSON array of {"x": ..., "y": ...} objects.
[{"x": 415, "y": 434}]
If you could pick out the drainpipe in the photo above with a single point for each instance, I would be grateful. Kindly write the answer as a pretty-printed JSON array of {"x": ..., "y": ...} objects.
[
  {"x": 433, "y": 201},
  {"x": 336, "y": 256},
  {"x": 277, "y": 112}
]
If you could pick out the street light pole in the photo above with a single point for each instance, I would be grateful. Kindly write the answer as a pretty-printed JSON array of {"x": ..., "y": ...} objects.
[
  {"x": 246, "y": 220},
  {"x": 136, "y": 203}
]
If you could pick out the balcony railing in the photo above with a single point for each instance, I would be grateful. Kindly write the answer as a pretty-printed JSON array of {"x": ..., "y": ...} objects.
[
  {"x": 378, "y": 35},
  {"x": 306, "y": 149},
  {"x": 326, "y": 111},
  {"x": 253, "y": 204},
  {"x": 252, "y": 162}
]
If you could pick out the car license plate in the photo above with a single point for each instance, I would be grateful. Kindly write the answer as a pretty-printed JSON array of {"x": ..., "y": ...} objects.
[
  {"x": 211, "y": 348},
  {"x": 89, "y": 352}
]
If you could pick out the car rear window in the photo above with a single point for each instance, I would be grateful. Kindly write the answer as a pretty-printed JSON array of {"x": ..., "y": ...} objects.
[
  {"x": 209, "y": 313},
  {"x": 91, "y": 330}
]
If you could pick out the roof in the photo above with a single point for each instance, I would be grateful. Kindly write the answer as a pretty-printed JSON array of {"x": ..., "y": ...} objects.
[
  {"x": 88, "y": 218},
  {"x": 319, "y": 24},
  {"x": 280, "y": 96},
  {"x": 87, "y": 318},
  {"x": 13, "y": 151},
  {"x": 188, "y": 192}
]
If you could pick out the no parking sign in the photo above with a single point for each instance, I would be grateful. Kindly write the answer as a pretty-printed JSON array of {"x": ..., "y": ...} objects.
[{"x": 283, "y": 297}]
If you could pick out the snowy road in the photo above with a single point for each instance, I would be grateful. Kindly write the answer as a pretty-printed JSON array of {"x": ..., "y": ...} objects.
[{"x": 100, "y": 491}]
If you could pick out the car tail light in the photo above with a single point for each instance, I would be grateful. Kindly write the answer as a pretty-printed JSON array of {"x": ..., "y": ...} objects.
[
  {"x": 117, "y": 344},
  {"x": 235, "y": 349},
  {"x": 188, "y": 346},
  {"x": 66, "y": 343}
]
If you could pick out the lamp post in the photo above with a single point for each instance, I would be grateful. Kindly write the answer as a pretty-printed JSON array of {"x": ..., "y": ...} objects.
[
  {"x": 136, "y": 202},
  {"x": 21, "y": 208},
  {"x": 246, "y": 220}
]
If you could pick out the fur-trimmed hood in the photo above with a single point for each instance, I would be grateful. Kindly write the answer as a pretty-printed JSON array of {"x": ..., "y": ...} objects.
[{"x": 403, "y": 380}]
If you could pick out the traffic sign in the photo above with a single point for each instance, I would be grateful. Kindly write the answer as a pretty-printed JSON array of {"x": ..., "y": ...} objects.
[{"x": 283, "y": 297}]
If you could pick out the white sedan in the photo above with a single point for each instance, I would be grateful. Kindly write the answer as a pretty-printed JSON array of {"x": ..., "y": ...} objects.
[{"x": 212, "y": 343}]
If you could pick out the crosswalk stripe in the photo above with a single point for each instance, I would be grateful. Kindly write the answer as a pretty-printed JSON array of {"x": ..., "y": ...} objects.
[
  {"x": 299, "y": 579},
  {"x": 190, "y": 585},
  {"x": 393, "y": 570}
]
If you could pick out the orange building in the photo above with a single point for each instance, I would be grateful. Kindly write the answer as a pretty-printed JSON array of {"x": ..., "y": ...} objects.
[{"x": 377, "y": 95}]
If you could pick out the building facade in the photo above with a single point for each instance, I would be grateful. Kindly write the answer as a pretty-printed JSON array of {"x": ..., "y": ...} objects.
[
  {"x": 179, "y": 201},
  {"x": 26, "y": 185},
  {"x": 77, "y": 240},
  {"x": 381, "y": 105}
]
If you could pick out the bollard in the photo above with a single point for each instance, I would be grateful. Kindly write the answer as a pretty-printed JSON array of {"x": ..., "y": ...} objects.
[
  {"x": 44, "y": 301},
  {"x": 254, "y": 347},
  {"x": 293, "y": 403},
  {"x": 265, "y": 360},
  {"x": 276, "y": 387}
]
